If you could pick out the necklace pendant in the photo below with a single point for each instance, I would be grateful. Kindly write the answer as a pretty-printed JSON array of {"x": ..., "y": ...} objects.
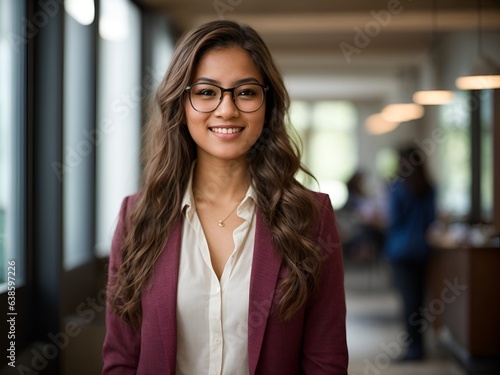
[{"x": 221, "y": 223}]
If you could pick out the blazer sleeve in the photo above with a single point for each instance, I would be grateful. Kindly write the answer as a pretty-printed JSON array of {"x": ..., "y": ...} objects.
[
  {"x": 324, "y": 346},
  {"x": 122, "y": 343}
]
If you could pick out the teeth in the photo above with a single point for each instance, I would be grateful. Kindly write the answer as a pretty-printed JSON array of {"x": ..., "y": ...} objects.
[{"x": 226, "y": 130}]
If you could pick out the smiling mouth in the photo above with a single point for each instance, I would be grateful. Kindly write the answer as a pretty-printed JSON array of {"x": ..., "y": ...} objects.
[{"x": 226, "y": 130}]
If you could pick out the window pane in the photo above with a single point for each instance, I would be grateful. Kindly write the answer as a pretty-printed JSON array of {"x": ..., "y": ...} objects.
[
  {"x": 12, "y": 135},
  {"x": 79, "y": 141},
  {"x": 454, "y": 153},
  {"x": 386, "y": 163},
  {"x": 487, "y": 154},
  {"x": 162, "y": 48},
  {"x": 120, "y": 95},
  {"x": 338, "y": 115},
  {"x": 299, "y": 115},
  {"x": 333, "y": 145},
  {"x": 298, "y": 123},
  {"x": 330, "y": 144}
]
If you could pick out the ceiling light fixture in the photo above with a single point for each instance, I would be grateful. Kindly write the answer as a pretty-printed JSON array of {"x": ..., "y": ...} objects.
[
  {"x": 375, "y": 124},
  {"x": 402, "y": 112},
  {"x": 432, "y": 96},
  {"x": 484, "y": 74}
]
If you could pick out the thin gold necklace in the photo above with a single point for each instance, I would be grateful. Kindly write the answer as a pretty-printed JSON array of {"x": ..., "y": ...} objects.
[{"x": 222, "y": 222}]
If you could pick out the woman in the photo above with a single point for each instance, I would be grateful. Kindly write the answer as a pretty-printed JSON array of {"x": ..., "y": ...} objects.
[
  {"x": 411, "y": 212},
  {"x": 223, "y": 263}
]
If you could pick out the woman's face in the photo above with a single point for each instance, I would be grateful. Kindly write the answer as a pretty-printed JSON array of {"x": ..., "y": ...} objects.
[{"x": 226, "y": 133}]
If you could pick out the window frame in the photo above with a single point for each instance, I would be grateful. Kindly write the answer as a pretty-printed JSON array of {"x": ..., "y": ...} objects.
[{"x": 22, "y": 200}]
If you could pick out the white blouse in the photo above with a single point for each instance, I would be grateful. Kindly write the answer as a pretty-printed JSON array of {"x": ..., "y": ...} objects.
[{"x": 212, "y": 316}]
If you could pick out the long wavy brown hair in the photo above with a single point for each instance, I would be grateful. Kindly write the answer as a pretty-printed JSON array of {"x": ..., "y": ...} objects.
[{"x": 287, "y": 207}]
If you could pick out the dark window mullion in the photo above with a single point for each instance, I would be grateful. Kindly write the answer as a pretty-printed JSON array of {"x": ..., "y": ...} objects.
[{"x": 47, "y": 196}]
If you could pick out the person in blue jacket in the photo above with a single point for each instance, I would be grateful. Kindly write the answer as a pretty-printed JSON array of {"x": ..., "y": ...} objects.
[{"x": 411, "y": 212}]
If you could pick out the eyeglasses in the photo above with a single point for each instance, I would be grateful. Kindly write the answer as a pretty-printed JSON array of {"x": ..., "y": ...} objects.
[{"x": 247, "y": 97}]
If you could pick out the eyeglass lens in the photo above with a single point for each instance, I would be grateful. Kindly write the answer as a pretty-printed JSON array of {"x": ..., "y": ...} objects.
[{"x": 205, "y": 97}]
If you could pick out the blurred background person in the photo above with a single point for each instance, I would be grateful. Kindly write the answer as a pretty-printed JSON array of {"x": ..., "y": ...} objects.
[
  {"x": 411, "y": 211},
  {"x": 361, "y": 222}
]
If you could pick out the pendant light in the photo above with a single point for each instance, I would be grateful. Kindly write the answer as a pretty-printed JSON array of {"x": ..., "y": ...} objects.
[
  {"x": 403, "y": 111},
  {"x": 484, "y": 74},
  {"x": 433, "y": 96},
  {"x": 375, "y": 124}
]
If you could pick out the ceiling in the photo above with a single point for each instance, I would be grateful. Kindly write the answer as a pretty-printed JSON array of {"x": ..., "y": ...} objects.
[{"x": 322, "y": 37}]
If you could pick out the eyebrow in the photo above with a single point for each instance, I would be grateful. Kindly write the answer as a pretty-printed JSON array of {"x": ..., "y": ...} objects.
[{"x": 238, "y": 82}]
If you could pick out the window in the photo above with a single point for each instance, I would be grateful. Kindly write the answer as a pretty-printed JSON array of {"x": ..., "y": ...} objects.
[
  {"x": 79, "y": 135},
  {"x": 328, "y": 132},
  {"x": 158, "y": 52},
  {"x": 12, "y": 135},
  {"x": 455, "y": 158},
  {"x": 120, "y": 94},
  {"x": 123, "y": 91},
  {"x": 486, "y": 148},
  {"x": 386, "y": 163}
]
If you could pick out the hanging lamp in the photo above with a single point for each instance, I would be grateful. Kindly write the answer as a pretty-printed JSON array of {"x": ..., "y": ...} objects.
[
  {"x": 433, "y": 96},
  {"x": 484, "y": 74},
  {"x": 375, "y": 124},
  {"x": 403, "y": 111}
]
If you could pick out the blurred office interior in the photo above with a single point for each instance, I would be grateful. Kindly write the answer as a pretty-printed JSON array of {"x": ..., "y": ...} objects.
[{"x": 77, "y": 78}]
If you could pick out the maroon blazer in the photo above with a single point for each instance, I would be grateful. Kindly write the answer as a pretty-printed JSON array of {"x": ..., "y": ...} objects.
[{"x": 313, "y": 341}]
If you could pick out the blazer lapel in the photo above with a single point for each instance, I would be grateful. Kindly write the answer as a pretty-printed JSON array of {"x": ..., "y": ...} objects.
[
  {"x": 264, "y": 276},
  {"x": 166, "y": 278}
]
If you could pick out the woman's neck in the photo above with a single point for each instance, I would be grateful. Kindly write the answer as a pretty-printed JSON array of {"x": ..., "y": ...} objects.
[{"x": 220, "y": 181}]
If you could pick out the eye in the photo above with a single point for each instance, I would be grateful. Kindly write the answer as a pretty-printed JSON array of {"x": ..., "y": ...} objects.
[
  {"x": 247, "y": 91},
  {"x": 205, "y": 92}
]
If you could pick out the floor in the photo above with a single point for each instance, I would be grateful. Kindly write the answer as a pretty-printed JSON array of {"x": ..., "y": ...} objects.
[{"x": 374, "y": 328}]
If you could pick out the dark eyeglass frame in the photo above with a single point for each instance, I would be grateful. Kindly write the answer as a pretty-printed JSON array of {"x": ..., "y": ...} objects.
[{"x": 231, "y": 90}]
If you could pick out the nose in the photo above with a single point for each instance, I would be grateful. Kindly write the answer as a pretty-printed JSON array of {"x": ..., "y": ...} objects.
[{"x": 227, "y": 108}]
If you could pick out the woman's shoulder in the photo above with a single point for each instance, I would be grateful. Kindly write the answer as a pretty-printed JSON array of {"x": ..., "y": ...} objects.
[
  {"x": 321, "y": 199},
  {"x": 131, "y": 200},
  {"x": 128, "y": 203},
  {"x": 324, "y": 207}
]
